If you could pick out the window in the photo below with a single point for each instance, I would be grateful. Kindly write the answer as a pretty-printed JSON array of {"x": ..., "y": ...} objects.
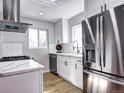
[
  {"x": 42, "y": 39},
  {"x": 33, "y": 36},
  {"x": 37, "y": 38},
  {"x": 77, "y": 36}
]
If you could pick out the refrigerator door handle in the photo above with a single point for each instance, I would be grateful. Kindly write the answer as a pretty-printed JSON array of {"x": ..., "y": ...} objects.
[
  {"x": 83, "y": 49},
  {"x": 102, "y": 41},
  {"x": 84, "y": 54},
  {"x": 97, "y": 45}
]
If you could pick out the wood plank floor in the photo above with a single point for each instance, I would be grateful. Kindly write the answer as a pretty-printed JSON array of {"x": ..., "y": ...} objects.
[{"x": 55, "y": 84}]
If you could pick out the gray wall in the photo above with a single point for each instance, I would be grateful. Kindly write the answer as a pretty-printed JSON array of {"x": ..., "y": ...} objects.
[
  {"x": 73, "y": 22},
  {"x": 40, "y": 54}
]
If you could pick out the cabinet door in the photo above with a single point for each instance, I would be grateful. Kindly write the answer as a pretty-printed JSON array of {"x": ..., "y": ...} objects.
[
  {"x": 92, "y": 7},
  {"x": 22, "y": 83},
  {"x": 60, "y": 65},
  {"x": 114, "y": 3},
  {"x": 65, "y": 69},
  {"x": 79, "y": 76},
  {"x": 62, "y": 68},
  {"x": 71, "y": 72},
  {"x": 58, "y": 31}
]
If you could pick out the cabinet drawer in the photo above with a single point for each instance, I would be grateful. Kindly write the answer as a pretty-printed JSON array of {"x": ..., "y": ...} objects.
[
  {"x": 79, "y": 60},
  {"x": 70, "y": 59}
]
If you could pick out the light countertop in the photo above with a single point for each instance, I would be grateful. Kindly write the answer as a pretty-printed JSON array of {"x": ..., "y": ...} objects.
[
  {"x": 69, "y": 54},
  {"x": 20, "y": 66}
]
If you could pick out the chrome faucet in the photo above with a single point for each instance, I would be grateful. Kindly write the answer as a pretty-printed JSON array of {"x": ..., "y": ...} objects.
[{"x": 76, "y": 46}]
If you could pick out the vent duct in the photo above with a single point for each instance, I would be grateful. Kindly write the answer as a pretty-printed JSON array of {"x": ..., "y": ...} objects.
[
  {"x": 11, "y": 10},
  {"x": 11, "y": 17}
]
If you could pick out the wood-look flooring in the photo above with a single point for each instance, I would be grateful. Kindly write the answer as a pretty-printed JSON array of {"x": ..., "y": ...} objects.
[{"x": 55, "y": 84}]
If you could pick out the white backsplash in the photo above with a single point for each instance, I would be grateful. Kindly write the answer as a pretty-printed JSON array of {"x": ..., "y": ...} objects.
[
  {"x": 12, "y": 37},
  {"x": 67, "y": 48},
  {"x": 12, "y": 49}
]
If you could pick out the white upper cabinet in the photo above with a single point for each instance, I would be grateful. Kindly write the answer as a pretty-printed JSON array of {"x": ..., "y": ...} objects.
[
  {"x": 93, "y": 7},
  {"x": 58, "y": 31},
  {"x": 61, "y": 31}
]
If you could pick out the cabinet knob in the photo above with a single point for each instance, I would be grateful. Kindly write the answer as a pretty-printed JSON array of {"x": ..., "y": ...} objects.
[
  {"x": 66, "y": 63},
  {"x": 79, "y": 61},
  {"x": 75, "y": 66}
]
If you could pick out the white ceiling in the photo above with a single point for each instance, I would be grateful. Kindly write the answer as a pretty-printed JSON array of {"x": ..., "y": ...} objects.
[{"x": 52, "y": 10}]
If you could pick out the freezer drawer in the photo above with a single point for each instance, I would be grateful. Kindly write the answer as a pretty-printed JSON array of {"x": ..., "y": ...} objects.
[{"x": 94, "y": 83}]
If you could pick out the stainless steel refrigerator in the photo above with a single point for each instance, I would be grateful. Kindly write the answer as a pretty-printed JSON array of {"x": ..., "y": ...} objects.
[{"x": 103, "y": 60}]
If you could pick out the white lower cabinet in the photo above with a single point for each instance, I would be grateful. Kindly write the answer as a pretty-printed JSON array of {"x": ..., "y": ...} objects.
[
  {"x": 30, "y": 82},
  {"x": 61, "y": 66},
  {"x": 79, "y": 76},
  {"x": 70, "y": 69}
]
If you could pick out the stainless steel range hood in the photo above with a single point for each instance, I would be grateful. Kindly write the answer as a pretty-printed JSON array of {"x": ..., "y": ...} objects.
[{"x": 11, "y": 17}]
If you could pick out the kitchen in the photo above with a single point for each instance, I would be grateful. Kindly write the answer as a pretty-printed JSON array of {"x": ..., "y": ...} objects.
[
  {"x": 24, "y": 75},
  {"x": 45, "y": 49}
]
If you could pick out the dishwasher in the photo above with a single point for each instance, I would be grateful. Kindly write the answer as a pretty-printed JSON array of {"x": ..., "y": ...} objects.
[{"x": 53, "y": 63}]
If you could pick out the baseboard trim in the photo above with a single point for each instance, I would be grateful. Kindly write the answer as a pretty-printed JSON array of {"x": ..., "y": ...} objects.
[{"x": 46, "y": 71}]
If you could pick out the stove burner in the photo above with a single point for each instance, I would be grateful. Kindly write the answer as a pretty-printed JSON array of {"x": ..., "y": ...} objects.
[{"x": 14, "y": 58}]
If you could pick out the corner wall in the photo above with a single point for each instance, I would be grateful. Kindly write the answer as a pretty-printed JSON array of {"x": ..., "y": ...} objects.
[{"x": 73, "y": 22}]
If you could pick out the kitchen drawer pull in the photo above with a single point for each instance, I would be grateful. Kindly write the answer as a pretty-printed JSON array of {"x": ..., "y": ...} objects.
[
  {"x": 75, "y": 66},
  {"x": 66, "y": 63},
  {"x": 79, "y": 61}
]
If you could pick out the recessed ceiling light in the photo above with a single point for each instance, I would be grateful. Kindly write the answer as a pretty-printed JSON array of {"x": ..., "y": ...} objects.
[
  {"x": 53, "y": 0},
  {"x": 41, "y": 13}
]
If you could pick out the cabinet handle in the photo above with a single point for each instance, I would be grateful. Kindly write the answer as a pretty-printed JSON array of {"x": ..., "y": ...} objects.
[
  {"x": 79, "y": 61},
  {"x": 66, "y": 63},
  {"x": 105, "y": 7},
  {"x": 101, "y": 9},
  {"x": 75, "y": 66}
]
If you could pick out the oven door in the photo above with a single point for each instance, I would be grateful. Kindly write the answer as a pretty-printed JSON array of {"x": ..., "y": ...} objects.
[{"x": 91, "y": 37}]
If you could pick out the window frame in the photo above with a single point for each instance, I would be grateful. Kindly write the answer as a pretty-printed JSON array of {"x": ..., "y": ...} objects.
[
  {"x": 38, "y": 38},
  {"x": 75, "y": 26}
]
